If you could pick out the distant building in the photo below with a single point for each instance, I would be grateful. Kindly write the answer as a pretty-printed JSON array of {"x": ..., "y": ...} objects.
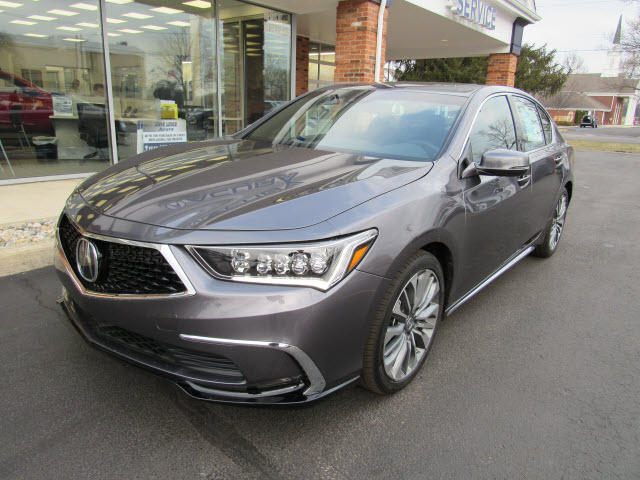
[
  {"x": 613, "y": 100},
  {"x": 616, "y": 54}
]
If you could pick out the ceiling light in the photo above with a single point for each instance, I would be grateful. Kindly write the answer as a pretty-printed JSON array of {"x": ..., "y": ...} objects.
[
  {"x": 129, "y": 30},
  {"x": 84, "y": 6},
  {"x": 23, "y": 22},
  {"x": 179, "y": 23},
  {"x": 42, "y": 17},
  {"x": 141, "y": 16},
  {"x": 10, "y": 4},
  {"x": 153, "y": 27},
  {"x": 71, "y": 29},
  {"x": 64, "y": 13},
  {"x": 115, "y": 20},
  {"x": 87, "y": 24},
  {"x": 38, "y": 35},
  {"x": 167, "y": 10},
  {"x": 114, "y": 34},
  {"x": 74, "y": 40},
  {"x": 120, "y": 2},
  {"x": 198, "y": 4}
]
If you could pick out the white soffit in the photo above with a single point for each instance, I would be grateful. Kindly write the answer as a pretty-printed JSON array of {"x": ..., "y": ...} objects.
[
  {"x": 418, "y": 28},
  {"x": 428, "y": 29}
]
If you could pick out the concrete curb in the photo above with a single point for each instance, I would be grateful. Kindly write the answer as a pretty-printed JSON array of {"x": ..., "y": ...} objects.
[{"x": 25, "y": 257}]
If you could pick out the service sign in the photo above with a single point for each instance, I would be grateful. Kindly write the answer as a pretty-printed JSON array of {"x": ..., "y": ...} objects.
[
  {"x": 476, "y": 11},
  {"x": 160, "y": 133}
]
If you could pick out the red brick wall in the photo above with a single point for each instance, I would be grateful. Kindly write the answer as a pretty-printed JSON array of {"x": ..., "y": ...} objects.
[
  {"x": 502, "y": 69},
  {"x": 605, "y": 118},
  {"x": 562, "y": 115},
  {"x": 356, "y": 31},
  {"x": 302, "y": 65}
]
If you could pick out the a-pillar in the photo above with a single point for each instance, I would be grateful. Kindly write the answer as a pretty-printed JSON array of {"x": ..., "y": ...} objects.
[
  {"x": 356, "y": 32},
  {"x": 302, "y": 65},
  {"x": 502, "y": 69}
]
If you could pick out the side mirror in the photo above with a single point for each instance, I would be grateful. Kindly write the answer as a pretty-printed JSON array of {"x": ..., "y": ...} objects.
[{"x": 501, "y": 163}]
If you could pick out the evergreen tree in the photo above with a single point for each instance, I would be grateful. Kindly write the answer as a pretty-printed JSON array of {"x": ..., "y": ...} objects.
[{"x": 537, "y": 72}]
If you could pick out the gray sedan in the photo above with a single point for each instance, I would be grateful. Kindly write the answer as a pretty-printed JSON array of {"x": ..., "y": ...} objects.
[{"x": 322, "y": 245}]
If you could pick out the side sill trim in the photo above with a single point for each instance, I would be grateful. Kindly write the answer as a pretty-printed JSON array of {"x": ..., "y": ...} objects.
[
  {"x": 490, "y": 279},
  {"x": 316, "y": 380}
]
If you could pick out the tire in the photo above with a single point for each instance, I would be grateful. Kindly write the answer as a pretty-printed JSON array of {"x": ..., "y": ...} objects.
[
  {"x": 555, "y": 227},
  {"x": 398, "y": 326}
]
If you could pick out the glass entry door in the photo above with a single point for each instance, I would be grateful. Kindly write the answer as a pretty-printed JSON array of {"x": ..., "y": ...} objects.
[{"x": 255, "y": 63}]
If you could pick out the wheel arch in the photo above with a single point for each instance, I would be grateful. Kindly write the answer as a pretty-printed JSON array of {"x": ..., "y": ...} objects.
[
  {"x": 569, "y": 187},
  {"x": 445, "y": 258}
]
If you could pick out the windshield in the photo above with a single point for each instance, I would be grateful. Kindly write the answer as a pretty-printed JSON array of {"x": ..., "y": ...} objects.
[{"x": 386, "y": 123}]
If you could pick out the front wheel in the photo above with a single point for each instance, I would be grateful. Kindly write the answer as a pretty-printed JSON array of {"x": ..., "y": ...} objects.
[
  {"x": 402, "y": 333},
  {"x": 555, "y": 228}
]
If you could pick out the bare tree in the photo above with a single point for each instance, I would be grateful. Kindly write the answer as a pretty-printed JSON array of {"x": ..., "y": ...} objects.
[
  {"x": 630, "y": 45},
  {"x": 176, "y": 48}
]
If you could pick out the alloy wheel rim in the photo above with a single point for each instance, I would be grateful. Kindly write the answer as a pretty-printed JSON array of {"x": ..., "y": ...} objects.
[
  {"x": 558, "y": 222},
  {"x": 410, "y": 329}
]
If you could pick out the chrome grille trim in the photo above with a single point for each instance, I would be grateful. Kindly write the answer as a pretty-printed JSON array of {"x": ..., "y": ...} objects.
[{"x": 165, "y": 251}]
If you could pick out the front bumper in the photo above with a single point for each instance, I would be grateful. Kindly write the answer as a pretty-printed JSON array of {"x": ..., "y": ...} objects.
[{"x": 241, "y": 342}]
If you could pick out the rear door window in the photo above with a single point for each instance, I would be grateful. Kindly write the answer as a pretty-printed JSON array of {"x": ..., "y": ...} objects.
[
  {"x": 546, "y": 126},
  {"x": 530, "y": 133}
]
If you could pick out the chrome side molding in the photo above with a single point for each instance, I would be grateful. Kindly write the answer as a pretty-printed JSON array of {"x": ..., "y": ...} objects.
[
  {"x": 316, "y": 380},
  {"x": 490, "y": 279}
]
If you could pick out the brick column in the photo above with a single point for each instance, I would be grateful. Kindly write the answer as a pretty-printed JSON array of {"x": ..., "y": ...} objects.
[
  {"x": 302, "y": 65},
  {"x": 502, "y": 69},
  {"x": 356, "y": 30}
]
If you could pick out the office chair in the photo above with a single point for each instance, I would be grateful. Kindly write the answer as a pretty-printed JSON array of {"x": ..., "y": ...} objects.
[
  {"x": 16, "y": 121},
  {"x": 6, "y": 158},
  {"x": 92, "y": 127}
]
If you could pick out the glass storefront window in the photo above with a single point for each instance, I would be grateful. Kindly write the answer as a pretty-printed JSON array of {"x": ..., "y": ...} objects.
[
  {"x": 255, "y": 62},
  {"x": 322, "y": 64},
  {"x": 163, "y": 71},
  {"x": 164, "y": 86},
  {"x": 53, "y": 118}
]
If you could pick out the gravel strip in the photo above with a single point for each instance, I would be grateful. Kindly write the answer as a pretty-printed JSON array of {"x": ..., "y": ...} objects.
[{"x": 29, "y": 232}]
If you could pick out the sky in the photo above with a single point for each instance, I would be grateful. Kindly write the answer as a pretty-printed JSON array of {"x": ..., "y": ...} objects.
[{"x": 582, "y": 26}]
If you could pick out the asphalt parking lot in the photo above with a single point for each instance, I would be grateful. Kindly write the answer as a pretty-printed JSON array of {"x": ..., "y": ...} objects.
[
  {"x": 604, "y": 134},
  {"x": 537, "y": 377}
]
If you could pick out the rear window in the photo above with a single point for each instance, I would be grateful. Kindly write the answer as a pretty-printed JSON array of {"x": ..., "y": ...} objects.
[{"x": 385, "y": 123}]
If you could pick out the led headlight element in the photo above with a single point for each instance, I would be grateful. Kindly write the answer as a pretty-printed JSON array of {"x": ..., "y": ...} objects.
[{"x": 318, "y": 265}]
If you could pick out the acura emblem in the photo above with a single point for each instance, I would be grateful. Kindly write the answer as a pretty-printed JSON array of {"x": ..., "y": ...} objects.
[{"x": 87, "y": 259}]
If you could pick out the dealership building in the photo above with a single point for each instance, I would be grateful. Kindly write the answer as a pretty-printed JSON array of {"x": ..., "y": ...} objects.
[{"x": 85, "y": 84}]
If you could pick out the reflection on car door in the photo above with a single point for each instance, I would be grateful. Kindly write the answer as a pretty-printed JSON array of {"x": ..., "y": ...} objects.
[
  {"x": 496, "y": 207},
  {"x": 535, "y": 136}
]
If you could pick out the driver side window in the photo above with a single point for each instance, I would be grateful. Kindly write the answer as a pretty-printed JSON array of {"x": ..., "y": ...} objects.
[{"x": 493, "y": 128}]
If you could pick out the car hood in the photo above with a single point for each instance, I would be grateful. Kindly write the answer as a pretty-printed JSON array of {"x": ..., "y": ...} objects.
[{"x": 242, "y": 185}]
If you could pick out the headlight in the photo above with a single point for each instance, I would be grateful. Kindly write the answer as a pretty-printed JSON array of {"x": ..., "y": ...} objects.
[{"x": 318, "y": 265}]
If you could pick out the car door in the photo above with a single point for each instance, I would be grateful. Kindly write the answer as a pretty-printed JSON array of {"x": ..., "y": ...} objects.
[
  {"x": 496, "y": 219},
  {"x": 535, "y": 136}
]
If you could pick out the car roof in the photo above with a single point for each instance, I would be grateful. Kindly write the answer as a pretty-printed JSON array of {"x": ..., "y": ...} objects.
[{"x": 461, "y": 89}]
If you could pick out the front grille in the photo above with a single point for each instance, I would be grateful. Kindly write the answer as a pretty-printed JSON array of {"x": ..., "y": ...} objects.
[
  {"x": 124, "y": 269},
  {"x": 208, "y": 363}
]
